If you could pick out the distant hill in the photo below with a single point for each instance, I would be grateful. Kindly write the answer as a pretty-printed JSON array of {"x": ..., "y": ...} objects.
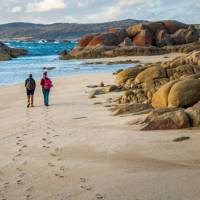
[{"x": 58, "y": 31}]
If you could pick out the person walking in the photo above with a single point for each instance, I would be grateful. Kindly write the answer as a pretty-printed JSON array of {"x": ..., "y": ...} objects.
[
  {"x": 46, "y": 84},
  {"x": 30, "y": 86}
]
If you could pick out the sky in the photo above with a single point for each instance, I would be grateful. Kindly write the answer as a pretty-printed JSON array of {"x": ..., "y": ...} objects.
[{"x": 95, "y": 11}]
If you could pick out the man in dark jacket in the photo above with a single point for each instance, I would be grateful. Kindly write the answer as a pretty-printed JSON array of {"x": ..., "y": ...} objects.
[{"x": 30, "y": 86}]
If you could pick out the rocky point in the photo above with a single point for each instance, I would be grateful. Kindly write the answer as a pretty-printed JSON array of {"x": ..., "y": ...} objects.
[
  {"x": 150, "y": 38},
  {"x": 7, "y": 53}
]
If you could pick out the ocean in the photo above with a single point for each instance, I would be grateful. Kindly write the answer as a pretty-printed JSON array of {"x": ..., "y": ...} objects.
[{"x": 45, "y": 54}]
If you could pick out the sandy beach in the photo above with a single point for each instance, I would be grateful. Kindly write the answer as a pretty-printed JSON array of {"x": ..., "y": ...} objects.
[{"x": 76, "y": 150}]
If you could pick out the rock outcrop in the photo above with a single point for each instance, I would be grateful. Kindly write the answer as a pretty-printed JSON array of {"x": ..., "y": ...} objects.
[
  {"x": 166, "y": 118},
  {"x": 7, "y": 53},
  {"x": 141, "y": 39},
  {"x": 170, "y": 89}
]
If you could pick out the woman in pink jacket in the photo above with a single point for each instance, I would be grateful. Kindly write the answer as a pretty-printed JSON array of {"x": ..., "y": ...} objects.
[{"x": 46, "y": 84}]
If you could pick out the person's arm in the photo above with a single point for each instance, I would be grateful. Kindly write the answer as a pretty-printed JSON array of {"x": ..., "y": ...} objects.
[
  {"x": 42, "y": 82},
  {"x": 34, "y": 84},
  {"x": 25, "y": 82},
  {"x": 51, "y": 83}
]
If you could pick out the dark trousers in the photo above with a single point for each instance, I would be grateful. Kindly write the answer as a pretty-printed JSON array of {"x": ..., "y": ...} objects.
[{"x": 46, "y": 96}]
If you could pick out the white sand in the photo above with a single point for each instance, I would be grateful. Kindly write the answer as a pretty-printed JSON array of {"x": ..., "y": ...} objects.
[
  {"x": 142, "y": 59},
  {"x": 75, "y": 150}
]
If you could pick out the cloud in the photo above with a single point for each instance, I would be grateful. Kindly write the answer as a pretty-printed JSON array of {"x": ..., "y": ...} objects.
[
  {"x": 130, "y": 2},
  {"x": 91, "y": 11},
  {"x": 16, "y": 9},
  {"x": 84, "y": 3},
  {"x": 45, "y": 5}
]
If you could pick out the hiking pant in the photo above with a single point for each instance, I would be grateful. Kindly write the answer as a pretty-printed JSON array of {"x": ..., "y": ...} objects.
[{"x": 46, "y": 96}]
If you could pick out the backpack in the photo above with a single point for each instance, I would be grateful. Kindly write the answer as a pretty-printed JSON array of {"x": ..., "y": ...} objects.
[
  {"x": 30, "y": 85},
  {"x": 47, "y": 84}
]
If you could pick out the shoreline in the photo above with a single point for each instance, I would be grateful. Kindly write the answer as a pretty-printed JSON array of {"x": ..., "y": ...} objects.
[{"x": 142, "y": 59}]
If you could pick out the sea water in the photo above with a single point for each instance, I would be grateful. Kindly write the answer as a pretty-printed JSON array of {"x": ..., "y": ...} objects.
[{"x": 45, "y": 54}]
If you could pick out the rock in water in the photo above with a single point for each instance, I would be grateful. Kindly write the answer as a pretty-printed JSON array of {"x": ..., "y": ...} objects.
[{"x": 7, "y": 53}]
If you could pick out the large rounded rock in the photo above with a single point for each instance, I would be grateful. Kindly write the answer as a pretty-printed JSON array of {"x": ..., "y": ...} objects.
[
  {"x": 179, "y": 36},
  {"x": 192, "y": 35},
  {"x": 143, "y": 38},
  {"x": 155, "y": 27},
  {"x": 194, "y": 114},
  {"x": 150, "y": 74},
  {"x": 183, "y": 70},
  {"x": 85, "y": 40},
  {"x": 163, "y": 38},
  {"x": 166, "y": 118},
  {"x": 160, "y": 98},
  {"x": 172, "y": 26},
  {"x": 105, "y": 39},
  {"x": 184, "y": 93},
  {"x": 121, "y": 33},
  {"x": 133, "y": 30},
  {"x": 126, "y": 74}
]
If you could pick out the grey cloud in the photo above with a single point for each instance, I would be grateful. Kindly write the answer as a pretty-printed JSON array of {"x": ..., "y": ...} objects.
[{"x": 100, "y": 10}]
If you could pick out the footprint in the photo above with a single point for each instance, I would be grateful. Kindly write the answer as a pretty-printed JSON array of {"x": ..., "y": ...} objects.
[
  {"x": 83, "y": 180},
  {"x": 6, "y": 185},
  {"x": 19, "y": 169},
  {"x": 19, "y": 182},
  {"x": 58, "y": 175},
  {"x": 30, "y": 189},
  {"x": 24, "y": 146},
  {"x": 99, "y": 196},
  {"x": 56, "y": 136},
  {"x": 44, "y": 139},
  {"x": 28, "y": 197},
  {"x": 50, "y": 142},
  {"x": 62, "y": 168},
  {"x": 51, "y": 165},
  {"x": 44, "y": 146},
  {"x": 53, "y": 155},
  {"x": 86, "y": 188}
]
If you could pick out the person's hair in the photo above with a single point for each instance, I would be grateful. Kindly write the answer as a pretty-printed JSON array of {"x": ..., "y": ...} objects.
[
  {"x": 45, "y": 73},
  {"x": 30, "y": 75}
]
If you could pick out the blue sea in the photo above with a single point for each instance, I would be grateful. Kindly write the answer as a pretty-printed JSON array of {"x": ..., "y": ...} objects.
[{"x": 45, "y": 54}]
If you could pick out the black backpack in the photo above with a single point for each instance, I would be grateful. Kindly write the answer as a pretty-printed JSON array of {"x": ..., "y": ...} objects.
[{"x": 30, "y": 84}]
